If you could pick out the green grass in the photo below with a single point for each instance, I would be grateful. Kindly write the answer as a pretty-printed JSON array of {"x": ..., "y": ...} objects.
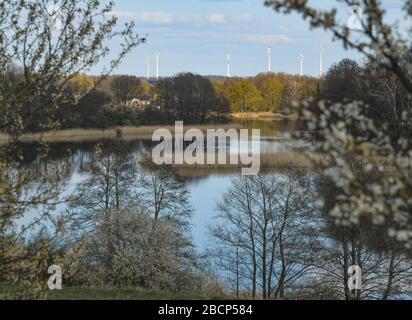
[
  {"x": 108, "y": 294},
  {"x": 6, "y": 289},
  {"x": 117, "y": 294}
]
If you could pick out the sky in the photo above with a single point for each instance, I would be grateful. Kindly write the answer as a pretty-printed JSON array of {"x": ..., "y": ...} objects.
[{"x": 195, "y": 36}]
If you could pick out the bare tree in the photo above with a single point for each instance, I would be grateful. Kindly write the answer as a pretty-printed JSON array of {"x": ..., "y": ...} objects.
[
  {"x": 125, "y": 88},
  {"x": 163, "y": 193},
  {"x": 111, "y": 179},
  {"x": 43, "y": 45},
  {"x": 261, "y": 230},
  {"x": 126, "y": 243},
  {"x": 386, "y": 272}
]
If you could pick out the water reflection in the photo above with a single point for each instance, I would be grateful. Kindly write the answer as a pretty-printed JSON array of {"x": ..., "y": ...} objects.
[{"x": 205, "y": 185}]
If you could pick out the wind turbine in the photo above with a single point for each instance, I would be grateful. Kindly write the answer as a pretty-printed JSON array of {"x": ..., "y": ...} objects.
[
  {"x": 321, "y": 59},
  {"x": 269, "y": 59},
  {"x": 157, "y": 65},
  {"x": 301, "y": 64},
  {"x": 147, "y": 60},
  {"x": 228, "y": 65}
]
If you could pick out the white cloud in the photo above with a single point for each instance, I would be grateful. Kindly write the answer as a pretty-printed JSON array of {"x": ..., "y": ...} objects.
[
  {"x": 245, "y": 17},
  {"x": 159, "y": 17},
  {"x": 147, "y": 17},
  {"x": 168, "y": 18},
  {"x": 265, "y": 38},
  {"x": 216, "y": 18}
]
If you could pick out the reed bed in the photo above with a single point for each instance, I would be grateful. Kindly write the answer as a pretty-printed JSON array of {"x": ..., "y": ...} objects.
[{"x": 127, "y": 133}]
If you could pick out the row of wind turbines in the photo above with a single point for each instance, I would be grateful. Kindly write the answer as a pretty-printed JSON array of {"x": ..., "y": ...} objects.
[
  {"x": 148, "y": 59},
  {"x": 269, "y": 55}
]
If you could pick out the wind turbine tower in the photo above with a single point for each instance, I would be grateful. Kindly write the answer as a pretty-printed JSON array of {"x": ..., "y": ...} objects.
[
  {"x": 321, "y": 59},
  {"x": 301, "y": 64},
  {"x": 157, "y": 66},
  {"x": 269, "y": 59},
  {"x": 228, "y": 65},
  {"x": 148, "y": 67}
]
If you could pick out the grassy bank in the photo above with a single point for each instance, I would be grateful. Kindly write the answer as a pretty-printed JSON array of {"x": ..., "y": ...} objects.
[
  {"x": 264, "y": 116},
  {"x": 118, "y": 294},
  {"x": 141, "y": 132},
  {"x": 272, "y": 163},
  {"x": 126, "y": 133},
  {"x": 108, "y": 294}
]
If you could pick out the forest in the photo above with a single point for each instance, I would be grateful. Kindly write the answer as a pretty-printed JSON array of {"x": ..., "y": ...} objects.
[{"x": 125, "y": 100}]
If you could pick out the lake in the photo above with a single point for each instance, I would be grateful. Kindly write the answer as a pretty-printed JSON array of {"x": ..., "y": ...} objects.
[{"x": 206, "y": 185}]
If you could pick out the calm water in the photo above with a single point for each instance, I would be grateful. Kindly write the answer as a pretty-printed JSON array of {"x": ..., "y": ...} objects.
[{"x": 205, "y": 189}]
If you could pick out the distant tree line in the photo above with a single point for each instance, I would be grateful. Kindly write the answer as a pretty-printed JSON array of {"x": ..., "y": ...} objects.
[
  {"x": 271, "y": 92},
  {"x": 125, "y": 100}
]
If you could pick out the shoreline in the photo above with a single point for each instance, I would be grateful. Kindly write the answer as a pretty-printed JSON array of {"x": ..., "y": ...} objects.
[
  {"x": 272, "y": 163},
  {"x": 262, "y": 116},
  {"x": 130, "y": 133},
  {"x": 124, "y": 133}
]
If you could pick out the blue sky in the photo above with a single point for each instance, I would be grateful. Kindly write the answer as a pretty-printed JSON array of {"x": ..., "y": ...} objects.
[{"x": 195, "y": 35}]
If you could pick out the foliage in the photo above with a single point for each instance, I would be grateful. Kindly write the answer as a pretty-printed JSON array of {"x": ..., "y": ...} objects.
[
  {"x": 356, "y": 138},
  {"x": 272, "y": 92},
  {"x": 44, "y": 46},
  {"x": 189, "y": 98},
  {"x": 129, "y": 248},
  {"x": 134, "y": 226},
  {"x": 242, "y": 95}
]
